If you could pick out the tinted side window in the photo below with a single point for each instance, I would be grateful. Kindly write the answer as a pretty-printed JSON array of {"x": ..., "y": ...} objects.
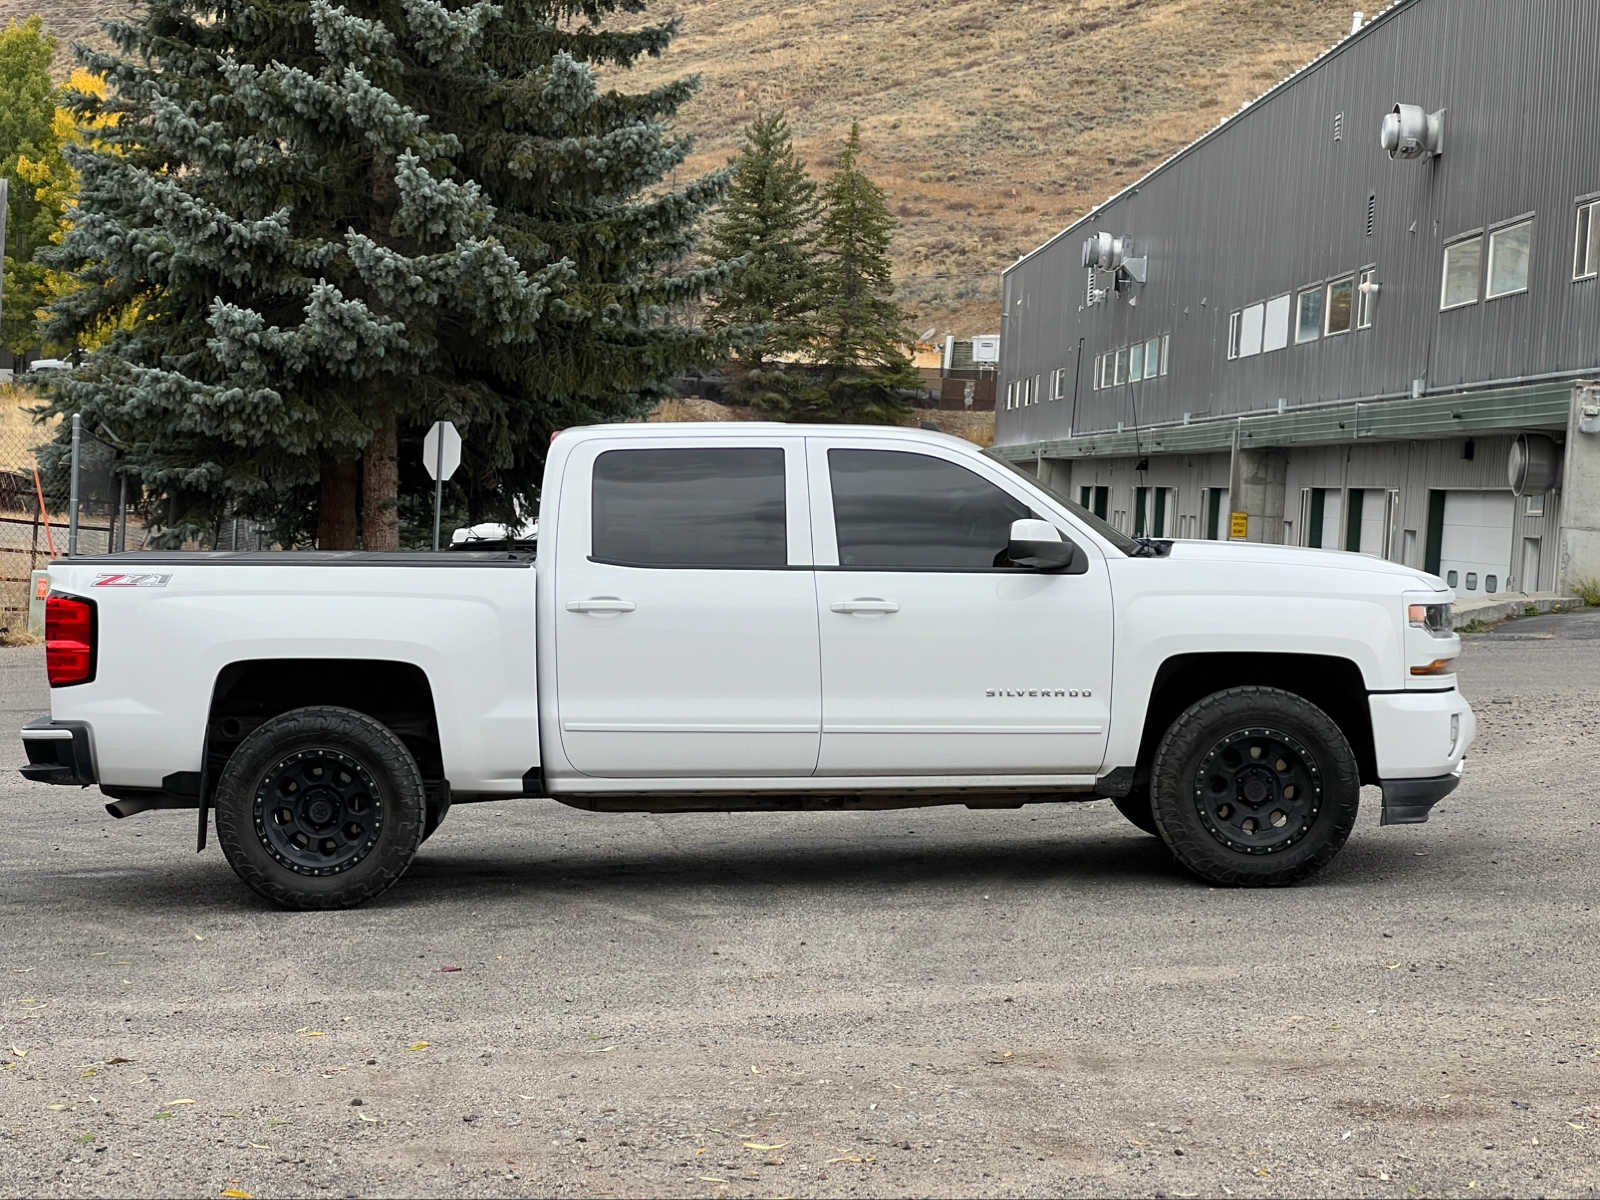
[
  {"x": 893, "y": 509},
  {"x": 718, "y": 507}
]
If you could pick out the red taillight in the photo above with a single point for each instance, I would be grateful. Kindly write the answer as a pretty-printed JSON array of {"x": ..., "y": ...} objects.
[{"x": 68, "y": 640}]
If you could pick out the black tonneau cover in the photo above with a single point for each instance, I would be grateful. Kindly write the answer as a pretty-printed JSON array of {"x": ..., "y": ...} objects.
[{"x": 136, "y": 560}]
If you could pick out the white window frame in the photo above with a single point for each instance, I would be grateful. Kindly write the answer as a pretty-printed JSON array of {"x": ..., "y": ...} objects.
[
  {"x": 1166, "y": 351},
  {"x": 1235, "y": 324},
  {"x": 1287, "y": 301},
  {"x": 1444, "y": 272},
  {"x": 1327, "y": 306},
  {"x": 1011, "y": 391},
  {"x": 1058, "y": 390},
  {"x": 1033, "y": 393},
  {"x": 1365, "y": 301},
  {"x": 1120, "y": 375},
  {"x": 1152, "y": 354},
  {"x": 1299, "y": 300},
  {"x": 1135, "y": 374},
  {"x": 1252, "y": 322},
  {"x": 1488, "y": 258},
  {"x": 1586, "y": 220}
]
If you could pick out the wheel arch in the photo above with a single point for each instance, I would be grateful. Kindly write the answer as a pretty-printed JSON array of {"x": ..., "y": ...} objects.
[
  {"x": 250, "y": 692},
  {"x": 1333, "y": 684}
]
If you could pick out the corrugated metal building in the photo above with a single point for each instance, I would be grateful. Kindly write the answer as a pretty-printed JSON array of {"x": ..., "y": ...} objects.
[{"x": 1287, "y": 321}]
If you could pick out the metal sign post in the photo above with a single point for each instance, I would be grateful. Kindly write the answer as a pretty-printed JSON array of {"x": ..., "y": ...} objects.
[{"x": 441, "y": 454}]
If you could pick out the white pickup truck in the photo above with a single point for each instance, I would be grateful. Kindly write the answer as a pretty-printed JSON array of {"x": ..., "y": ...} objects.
[{"x": 756, "y": 617}]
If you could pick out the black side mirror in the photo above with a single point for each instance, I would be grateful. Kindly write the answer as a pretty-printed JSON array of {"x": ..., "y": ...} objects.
[{"x": 1038, "y": 546}]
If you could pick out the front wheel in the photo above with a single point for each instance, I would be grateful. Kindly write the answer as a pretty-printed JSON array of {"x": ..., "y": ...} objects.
[
  {"x": 320, "y": 808},
  {"x": 1254, "y": 787}
]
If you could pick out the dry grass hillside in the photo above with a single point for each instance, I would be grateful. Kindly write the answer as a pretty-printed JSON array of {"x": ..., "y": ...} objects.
[{"x": 991, "y": 123}]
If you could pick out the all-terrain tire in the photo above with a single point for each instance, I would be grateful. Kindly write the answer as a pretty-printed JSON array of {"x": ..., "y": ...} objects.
[
  {"x": 1136, "y": 807},
  {"x": 1235, "y": 762},
  {"x": 320, "y": 808}
]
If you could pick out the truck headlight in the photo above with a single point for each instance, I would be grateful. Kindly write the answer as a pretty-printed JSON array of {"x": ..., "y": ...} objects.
[{"x": 1435, "y": 618}]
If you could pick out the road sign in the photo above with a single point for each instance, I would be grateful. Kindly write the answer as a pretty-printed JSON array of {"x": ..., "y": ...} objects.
[
  {"x": 1238, "y": 525},
  {"x": 441, "y": 450},
  {"x": 441, "y": 454}
]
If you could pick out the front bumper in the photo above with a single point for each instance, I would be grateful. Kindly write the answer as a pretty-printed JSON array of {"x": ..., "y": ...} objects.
[
  {"x": 1420, "y": 742},
  {"x": 1409, "y": 801},
  {"x": 58, "y": 752}
]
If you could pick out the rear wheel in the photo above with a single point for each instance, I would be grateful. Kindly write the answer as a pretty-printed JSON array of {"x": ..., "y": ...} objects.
[
  {"x": 320, "y": 808},
  {"x": 1254, "y": 786}
]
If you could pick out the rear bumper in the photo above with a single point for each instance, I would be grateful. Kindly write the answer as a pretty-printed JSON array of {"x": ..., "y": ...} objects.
[
  {"x": 1409, "y": 801},
  {"x": 58, "y": 752}
]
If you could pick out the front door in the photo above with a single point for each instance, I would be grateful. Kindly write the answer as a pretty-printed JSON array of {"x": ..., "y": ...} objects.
[
  {"x": 686, "y": 626},
  {"x": 938, "y": 658}
]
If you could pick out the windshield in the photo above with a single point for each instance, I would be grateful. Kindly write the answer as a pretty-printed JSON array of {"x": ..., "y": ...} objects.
[{"x": 1101, "y": 526}]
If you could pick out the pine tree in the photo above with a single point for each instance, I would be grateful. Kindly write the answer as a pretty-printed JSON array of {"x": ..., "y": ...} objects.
[
  {"x": 27, "y": 132},
  {"x": 768, "y": 222},
  {"x": 861, "y": 330},
  {"x": 342, "y": 223}
]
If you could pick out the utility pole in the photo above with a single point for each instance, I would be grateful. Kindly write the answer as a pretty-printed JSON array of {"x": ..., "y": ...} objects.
[{"x": 5, "y": 188}]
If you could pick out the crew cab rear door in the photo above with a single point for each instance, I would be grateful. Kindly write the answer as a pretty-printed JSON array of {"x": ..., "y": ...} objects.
[
  {"x": 935, "y": 660},
  {"x": 686, "y": 629}
]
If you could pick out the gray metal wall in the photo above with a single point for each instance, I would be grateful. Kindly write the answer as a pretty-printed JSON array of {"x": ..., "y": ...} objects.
[{"x": 1271, "y": 203}]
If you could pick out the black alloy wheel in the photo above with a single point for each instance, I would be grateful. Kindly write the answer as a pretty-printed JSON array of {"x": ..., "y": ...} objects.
[
  {"x": 1258, "y": 791},
  {"x": 1254, "y": 786},
  {"x": 318, "y": 811},
  {"x": 320, "y": 808}
]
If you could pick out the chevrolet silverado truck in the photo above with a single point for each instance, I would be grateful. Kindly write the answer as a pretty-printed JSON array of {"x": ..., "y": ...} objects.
[{"x": 756, "y": 617}]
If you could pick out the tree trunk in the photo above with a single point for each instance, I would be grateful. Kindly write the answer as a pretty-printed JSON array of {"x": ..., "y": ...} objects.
[
  {"x": 380, "y": 481},
  {"x": 336, "y": 517}
]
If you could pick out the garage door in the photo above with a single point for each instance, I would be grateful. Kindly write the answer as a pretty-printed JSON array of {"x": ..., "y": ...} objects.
[{"x": 1475, "y": 546}]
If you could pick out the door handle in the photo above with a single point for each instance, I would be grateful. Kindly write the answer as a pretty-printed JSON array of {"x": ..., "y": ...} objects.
[
  {"x": 866, "y": 604},
  {"x": 601, "y": 604}
]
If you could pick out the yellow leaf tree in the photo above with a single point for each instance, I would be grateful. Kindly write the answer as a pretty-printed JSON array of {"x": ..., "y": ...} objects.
[{"x": 55, "y": 184}]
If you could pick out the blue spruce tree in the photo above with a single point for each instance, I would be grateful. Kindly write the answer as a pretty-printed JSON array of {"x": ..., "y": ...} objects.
[{"x": 339, "y": 222}]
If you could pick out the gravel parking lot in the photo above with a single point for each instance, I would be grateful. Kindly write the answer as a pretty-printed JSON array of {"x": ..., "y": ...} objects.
[{"x": 936, "y": 1002}]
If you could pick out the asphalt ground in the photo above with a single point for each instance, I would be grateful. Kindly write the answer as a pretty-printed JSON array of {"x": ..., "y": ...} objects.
[{"x": 934, "y": 1002}]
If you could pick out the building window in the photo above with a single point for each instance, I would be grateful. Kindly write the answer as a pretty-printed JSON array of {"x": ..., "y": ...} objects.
[
  {"x": 1341, "y": 306},
  {"x": 1136, "y": 363},
  {"x": 1233, "y": 334},
  {"x": 1463, "y": 263},
  {"x": 1275, "y": 324},
  {"x": 1166, "y": 355},
  {"x": 1250, "y": 330},
  {"x": 1509, "y": 251},
  {"x": 1366, "y": 297},
  {"x": 1011, "y": 390},
  {"x": 1094, "y": 374},
  {"x": 1060, "y": 390},
  {"x": 1586, "y": 247},
  {"x": 1033, "y": 393},
  {"x": 1121, "y": 375},
  {"x": 1108, "y": 369},
  {"x": 1152, "y": 358},
  {"x": 1308, "y": 315}
]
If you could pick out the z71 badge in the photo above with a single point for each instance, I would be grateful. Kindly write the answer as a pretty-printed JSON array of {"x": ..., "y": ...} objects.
[{"x": 131, "y": 580}]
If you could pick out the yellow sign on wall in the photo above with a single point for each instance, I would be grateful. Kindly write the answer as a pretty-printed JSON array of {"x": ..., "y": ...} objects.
[{"x": 1238, "y": 525}]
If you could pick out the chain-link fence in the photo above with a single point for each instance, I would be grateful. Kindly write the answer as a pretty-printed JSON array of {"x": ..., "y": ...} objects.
[{"x": 36, "y": 502}]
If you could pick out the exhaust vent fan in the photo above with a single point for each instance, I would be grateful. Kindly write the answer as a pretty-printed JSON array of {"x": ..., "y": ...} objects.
[
  {"x": 1408, "y": 132},
  {"x": 1105, "y": 252}
]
